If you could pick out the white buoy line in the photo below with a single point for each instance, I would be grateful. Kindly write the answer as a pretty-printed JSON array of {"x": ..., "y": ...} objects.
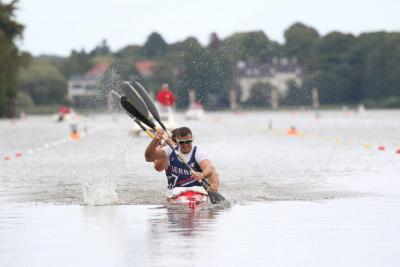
[{"x": 56, "y": 143}]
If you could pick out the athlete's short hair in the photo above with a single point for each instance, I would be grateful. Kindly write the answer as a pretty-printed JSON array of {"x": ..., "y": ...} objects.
[
  {"x": 175, "y": 134},
  {"x": 183, "y": 131}
]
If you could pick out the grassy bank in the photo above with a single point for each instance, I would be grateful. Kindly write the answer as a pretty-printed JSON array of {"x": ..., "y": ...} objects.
[{"x": 48, "y": 109}]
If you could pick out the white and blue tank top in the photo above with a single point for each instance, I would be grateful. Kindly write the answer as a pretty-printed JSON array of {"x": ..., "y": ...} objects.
[{"x": 178, "y": 175}]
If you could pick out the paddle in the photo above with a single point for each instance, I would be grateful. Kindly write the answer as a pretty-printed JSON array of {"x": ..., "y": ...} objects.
[
  {"x": 127, "y": 105},
  {"x": 137, "y": 103},
  {"x": 148, "y": 101},
  {"x": 141, "y": 112}
]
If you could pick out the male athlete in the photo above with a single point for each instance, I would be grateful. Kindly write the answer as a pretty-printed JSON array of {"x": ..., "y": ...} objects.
[{"x": 178, "y": 175}]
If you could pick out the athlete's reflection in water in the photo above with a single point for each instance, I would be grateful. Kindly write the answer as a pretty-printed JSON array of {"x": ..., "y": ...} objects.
[
  {"x": 188, "y": 221},
  {"x": 180, "y": 237},
  {"x": 183, "y": 220}
]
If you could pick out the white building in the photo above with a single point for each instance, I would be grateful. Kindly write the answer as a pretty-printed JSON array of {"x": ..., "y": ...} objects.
[
  {"x": 87, "y": 85},
  {"x": 278, "y": 74}
]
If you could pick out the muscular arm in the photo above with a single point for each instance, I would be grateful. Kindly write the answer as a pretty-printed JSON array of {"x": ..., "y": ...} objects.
[
  {"x": 209, "y": 172},
  {"x": 161, "y": 164},
  {"x": 154, "y": 151}
]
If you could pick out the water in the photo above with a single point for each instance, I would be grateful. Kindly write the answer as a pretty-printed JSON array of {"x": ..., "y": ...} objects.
[{"x": 326, "y": 197}]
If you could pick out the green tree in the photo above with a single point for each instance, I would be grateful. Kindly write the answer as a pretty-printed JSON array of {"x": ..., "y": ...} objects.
[
  {"x": 333, "y": 74},
  {"x": 196, "y": 71},
  {"x": 184, "y": 52},
  {"x": 24, "y": 100},
  {"x": 101, "y": 53},
  {"x": 129, "y": 53},
  {"x": 222, "y": 79},
  {"x": 215, "y": 42},
  {"x": 382, "y": 71},
  {"x": 260, "y": 95},
  {"x": 363, "y": 47},
  {"x": 10, "y": 58},
  {"x": 188, "y": 45},
  {"x": 249, "y": 46},
  {"x": 164, "y": 73},
  {"x": 301, "y": 42},
  {"x": 210, "y": 74},
  {"x": 43, "y": 82},
  {"x": 76, "y": 64},
  {"x": 115, "y": 74},
  {"x": 155, "y": 46},
  {"x": 297, "y": 95},
  {"x": 101, "y": 49},
  {"x": 176, "y": 52}
]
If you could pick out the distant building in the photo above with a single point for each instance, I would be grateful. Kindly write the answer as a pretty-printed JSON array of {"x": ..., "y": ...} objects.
[
  {"x": 277, "y": 73},
  {"x": 81, "y": 87},
  {"x": 145, "y": 68}
]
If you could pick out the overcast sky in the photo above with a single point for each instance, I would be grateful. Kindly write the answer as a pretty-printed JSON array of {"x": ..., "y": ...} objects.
[{"x": 58, "y": 26}]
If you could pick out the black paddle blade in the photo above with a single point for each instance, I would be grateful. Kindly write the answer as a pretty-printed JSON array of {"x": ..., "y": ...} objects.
[
  {"x": 135, "y": 113},
  {"x": 135, "y": 99},
  {"x": 215, "y": 197},
  {"x": 149, "y": 102},
  {"x": 146, "y": 98}
]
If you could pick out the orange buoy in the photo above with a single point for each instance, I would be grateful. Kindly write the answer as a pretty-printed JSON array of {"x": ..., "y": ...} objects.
[
  {"x": 292, "y": 131},
  {"x": 7, "y": 158},
  {"x": 74, "y": 135},
  {"x": 18, "y": 154},
  {"x": 381, "y": 148},
  {"x": 398, "y": 151}
]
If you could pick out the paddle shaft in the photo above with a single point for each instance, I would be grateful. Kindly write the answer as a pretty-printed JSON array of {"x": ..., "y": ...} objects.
[{"x": 147, "y": 131}]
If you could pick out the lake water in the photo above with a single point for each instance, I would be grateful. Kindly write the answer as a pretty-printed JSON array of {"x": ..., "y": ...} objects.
[{"x": 325, "y": 197}]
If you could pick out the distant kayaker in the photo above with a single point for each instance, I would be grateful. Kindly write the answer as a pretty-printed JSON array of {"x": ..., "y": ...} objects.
[{"x": 177, "y": 173}]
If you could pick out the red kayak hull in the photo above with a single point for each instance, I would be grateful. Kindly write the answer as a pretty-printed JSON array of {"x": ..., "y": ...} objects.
[{"x": 192, "y": 199}]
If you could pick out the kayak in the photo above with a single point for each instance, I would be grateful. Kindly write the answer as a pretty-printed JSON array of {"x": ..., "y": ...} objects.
[{"x": 191, "y": 199}]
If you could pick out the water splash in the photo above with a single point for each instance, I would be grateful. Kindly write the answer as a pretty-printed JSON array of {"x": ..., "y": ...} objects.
[
  {"x": 99, "y": 187},
  {"x": 111, "y": 80}
]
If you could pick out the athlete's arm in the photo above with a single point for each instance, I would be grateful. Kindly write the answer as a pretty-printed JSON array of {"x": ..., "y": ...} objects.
[
  {"x": 161, "y": 164},
  {"x": 149, "y": 154},
  {"x": 153, "y": 150},
  {"x": 210, "y": 173}
]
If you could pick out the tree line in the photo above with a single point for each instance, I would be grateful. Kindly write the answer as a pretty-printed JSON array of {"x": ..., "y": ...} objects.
[{"x": 346, "y": 69}]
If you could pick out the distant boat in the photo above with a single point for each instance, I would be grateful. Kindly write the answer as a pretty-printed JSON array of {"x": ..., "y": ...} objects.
[
  {"x": 361, "y": 109},
  {"x": 65, "y": 114},
  {"x": 167, "y": 117},
  {"x": 195, "y": 112}
]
